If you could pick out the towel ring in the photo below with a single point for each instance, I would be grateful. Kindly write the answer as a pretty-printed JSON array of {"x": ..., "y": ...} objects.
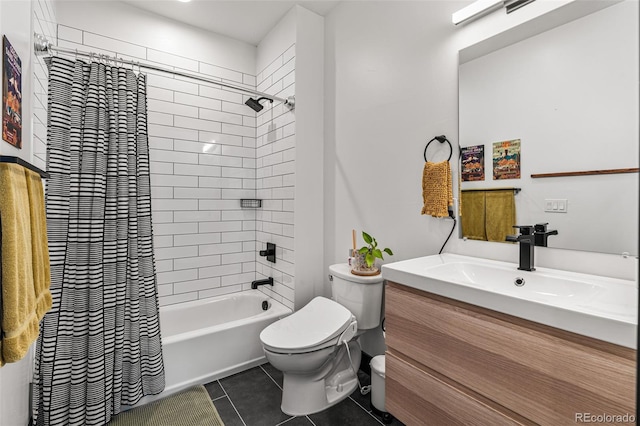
[{"x": 441, "y": 139}]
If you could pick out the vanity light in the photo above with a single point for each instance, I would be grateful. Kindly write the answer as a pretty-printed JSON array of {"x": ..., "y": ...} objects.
[
  {"x": 482, "y": 7},
  {"x": 475, "y": 10},
  {"x": 184, "y": 1}
]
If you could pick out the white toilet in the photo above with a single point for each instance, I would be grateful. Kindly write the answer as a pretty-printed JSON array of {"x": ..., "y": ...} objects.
[{"x": 309, "y": 346}]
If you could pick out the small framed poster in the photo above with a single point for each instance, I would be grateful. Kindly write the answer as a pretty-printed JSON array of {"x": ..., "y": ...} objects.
[
  {"x": 506, "y": 160},
  {"x": 472, "y": 163},
  {"x": 11, "y": 95}
]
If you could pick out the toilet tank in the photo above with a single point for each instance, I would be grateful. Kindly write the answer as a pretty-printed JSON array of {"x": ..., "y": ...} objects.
[{"x": 361, "y": 295}]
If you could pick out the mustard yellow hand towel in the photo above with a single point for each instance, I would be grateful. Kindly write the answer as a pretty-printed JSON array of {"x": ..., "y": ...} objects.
[
  {"x": 473, "y": 215},
  {"x": 437, "y": 192},
  {"x": 500, "y": 214},
  {"x": 19, "y": 322},
  {"x": 39, "y": 244}
]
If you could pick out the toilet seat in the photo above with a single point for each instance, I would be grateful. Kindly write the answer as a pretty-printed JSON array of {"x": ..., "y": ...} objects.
[{"x": 317, "y": 325}]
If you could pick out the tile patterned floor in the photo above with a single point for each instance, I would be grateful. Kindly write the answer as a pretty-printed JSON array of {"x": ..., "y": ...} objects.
[{"x": 253, "y": 397}]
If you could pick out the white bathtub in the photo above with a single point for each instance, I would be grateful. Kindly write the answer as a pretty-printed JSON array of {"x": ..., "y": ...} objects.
[{"x": 213, "y": 338}]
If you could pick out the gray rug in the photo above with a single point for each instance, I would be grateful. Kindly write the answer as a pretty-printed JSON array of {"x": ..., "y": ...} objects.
[{"x": 191, "y": 407}]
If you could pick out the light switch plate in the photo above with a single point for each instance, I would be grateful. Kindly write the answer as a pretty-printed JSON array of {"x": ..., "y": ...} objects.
[{"x": 556, "y": 205}]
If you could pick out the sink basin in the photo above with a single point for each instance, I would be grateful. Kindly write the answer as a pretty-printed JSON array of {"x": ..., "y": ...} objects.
[
  {"x": 599, "y": 307},
  {"x": 535, "y": 285}
]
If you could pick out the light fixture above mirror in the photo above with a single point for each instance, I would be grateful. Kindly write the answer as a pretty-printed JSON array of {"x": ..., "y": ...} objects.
[{"x": 480, "y": 8}]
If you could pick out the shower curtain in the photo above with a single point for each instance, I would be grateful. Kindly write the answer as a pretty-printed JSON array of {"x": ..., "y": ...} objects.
[{"x": 99, "y": 346}]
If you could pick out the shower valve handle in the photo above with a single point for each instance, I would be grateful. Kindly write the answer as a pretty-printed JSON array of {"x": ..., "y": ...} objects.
[{"x": 269, "y": 253}]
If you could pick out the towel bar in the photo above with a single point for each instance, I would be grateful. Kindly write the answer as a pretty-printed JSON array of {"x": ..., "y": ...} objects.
[{"x": 20, "y": 161}]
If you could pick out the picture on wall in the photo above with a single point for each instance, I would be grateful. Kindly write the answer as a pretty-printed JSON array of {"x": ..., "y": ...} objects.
[
  {"x": 506, "y": 160},
  {"x": 472, "y": 163},
  {"x": 11, "y": 95}
]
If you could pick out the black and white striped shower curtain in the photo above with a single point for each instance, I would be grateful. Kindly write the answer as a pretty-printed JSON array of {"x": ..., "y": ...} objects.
[{"x": 99, "y": 346}]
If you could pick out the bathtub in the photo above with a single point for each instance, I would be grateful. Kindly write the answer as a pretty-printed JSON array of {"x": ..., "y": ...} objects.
[{"x": 208, "y": 339}]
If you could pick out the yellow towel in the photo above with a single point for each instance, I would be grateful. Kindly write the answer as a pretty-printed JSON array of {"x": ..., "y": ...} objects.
[
  {"x": 473, "y": 215},
  {"x": 437, "y": 192},
  {"x": 500, "y": 214},
  {"x": 39, "y": 244},
  {"x": 20, "y": 297}
]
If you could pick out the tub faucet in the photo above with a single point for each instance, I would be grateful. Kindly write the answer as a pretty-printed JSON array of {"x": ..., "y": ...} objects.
[
  {"x": 255, "y": 284},
  {"x": 527, "y": 243}
]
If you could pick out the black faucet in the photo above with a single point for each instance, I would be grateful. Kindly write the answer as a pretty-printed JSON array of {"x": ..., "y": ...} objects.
[
  {"x": 255, "y": 284},
  {"x": 527, "y": 242},
  {"x": 542, "y": 234}
]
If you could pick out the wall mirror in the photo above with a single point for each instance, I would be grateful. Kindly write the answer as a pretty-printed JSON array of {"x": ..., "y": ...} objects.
[{"x": 568, "y": 97}]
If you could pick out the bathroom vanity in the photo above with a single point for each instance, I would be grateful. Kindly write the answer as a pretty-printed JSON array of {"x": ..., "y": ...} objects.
[{"x": 466, "y": 345}]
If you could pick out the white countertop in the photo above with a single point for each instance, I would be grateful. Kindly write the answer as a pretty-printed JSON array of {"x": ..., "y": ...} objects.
[{"x": 599, "y": 307}]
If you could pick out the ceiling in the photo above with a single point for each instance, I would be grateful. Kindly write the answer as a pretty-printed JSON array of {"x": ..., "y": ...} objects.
[{"x": 246, "y": 20}]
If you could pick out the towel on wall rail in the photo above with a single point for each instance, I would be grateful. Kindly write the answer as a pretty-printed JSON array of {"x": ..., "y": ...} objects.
[
  {"x": 25, "y": 276},
  {"x": 488, "y": 215},
  {"x": 437, "y": 191},
  {"x": 473, "y": 215}
]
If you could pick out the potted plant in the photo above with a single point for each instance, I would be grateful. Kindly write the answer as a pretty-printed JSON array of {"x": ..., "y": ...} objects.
[{"x": 365, "y": 257}]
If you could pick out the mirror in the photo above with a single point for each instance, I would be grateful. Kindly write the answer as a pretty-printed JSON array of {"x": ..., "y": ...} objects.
[{"x": 569, "y": 98}]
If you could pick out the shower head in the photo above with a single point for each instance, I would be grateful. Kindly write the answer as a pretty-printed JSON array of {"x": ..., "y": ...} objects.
[{"x": 255, "y": 105}]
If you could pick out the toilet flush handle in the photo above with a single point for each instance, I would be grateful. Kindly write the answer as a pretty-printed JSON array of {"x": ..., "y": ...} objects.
[{"x": 348, "y": 334}]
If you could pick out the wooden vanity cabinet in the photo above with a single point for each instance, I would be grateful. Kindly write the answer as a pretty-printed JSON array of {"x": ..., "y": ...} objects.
[{"x": 450, "y": 362}]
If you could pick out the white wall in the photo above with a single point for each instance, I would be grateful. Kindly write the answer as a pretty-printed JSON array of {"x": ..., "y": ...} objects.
[
  {"x": 289, "y": 157},
  {"x": 44, "y": 23},
  {"x": 202, "y": 142},
  {"x": 125, "y": 22},
  {"x": 311, "y": 276},
  {"x": 276, "y": 158},
  {"x": 18, "y": 20},
  {"x": 391, "y": 85},
  {"x": 572, "y": 112}
]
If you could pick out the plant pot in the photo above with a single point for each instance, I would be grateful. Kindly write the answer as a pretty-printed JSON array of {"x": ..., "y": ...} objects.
[{"x": 360, "y": 267}]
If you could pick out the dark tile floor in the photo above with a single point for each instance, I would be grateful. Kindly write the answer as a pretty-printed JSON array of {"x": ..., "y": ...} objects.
[{"x": 253, "y": 397}]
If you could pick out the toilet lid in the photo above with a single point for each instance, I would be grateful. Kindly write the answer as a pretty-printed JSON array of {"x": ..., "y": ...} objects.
[{"x": 317, "y": 322}]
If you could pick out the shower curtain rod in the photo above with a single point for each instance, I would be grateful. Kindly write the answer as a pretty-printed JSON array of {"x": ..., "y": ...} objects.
[{"x": 42, "y": 46}]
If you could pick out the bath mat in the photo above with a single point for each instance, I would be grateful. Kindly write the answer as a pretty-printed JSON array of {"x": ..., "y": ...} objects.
[{"x": 192, "y": 407}]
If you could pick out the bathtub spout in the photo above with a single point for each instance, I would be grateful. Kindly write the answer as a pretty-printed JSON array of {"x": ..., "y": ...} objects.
[{"x": 255, "y": 284}]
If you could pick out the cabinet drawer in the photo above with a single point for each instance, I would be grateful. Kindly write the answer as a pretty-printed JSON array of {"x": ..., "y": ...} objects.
[
  {"x": 417, "y": 398},
  {"x": 543, "y": 374}
]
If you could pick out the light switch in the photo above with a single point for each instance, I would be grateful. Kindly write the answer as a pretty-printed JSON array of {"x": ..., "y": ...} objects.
[
  {"x": 556, "y": 205},
  {"x": 562, "y": 205}
]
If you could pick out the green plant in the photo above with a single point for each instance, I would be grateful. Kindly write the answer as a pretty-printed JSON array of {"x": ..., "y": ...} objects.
[{"x": 371, "y": 250}]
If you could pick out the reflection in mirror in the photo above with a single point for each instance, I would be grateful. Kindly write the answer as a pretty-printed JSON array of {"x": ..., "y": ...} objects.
[{"x": 562, "y": 101}]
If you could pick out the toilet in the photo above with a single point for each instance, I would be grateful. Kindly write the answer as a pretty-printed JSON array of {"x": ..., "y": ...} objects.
[{"x": 316, "y": 347}]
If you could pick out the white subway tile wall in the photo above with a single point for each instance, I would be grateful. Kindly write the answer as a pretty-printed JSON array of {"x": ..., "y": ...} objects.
[
  {"x": 202, "y": 143},
  {"x": 44, "y": 22},
  {"x": 275, "y": 173}
]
